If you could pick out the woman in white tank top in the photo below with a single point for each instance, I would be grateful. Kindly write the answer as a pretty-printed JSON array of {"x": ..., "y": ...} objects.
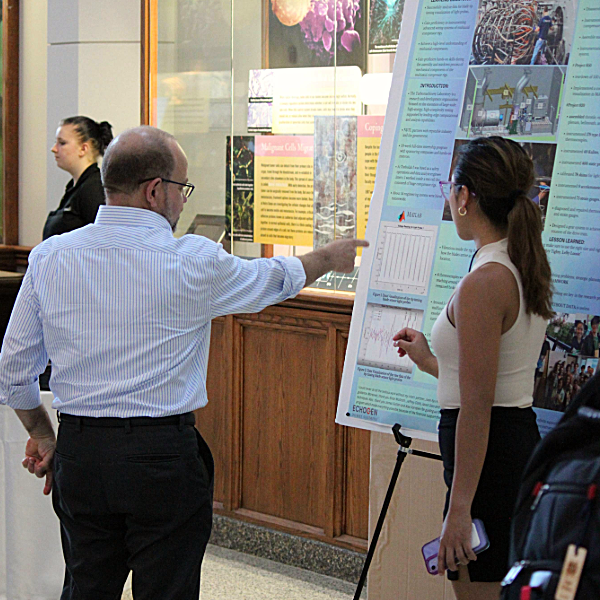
[{"x": 486, "y": 342}]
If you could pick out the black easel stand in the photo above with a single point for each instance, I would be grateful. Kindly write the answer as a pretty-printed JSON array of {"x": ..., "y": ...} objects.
[{"x": 404, "y": 442}]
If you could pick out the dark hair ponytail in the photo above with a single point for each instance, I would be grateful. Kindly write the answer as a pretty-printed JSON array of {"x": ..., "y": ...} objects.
[
  {"x": 528, "y": 255},
  {"x": 99, "y": 134},
  {"x": 500, "y": 173}
]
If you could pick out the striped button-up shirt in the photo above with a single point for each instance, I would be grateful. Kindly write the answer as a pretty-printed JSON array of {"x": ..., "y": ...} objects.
[{"x": 123, "y": 310}]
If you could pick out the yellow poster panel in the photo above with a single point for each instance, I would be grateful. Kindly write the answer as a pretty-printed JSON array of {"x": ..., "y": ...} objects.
[
  {"x": 369, "y": 139},
  {"x": 283, "y": 190}
]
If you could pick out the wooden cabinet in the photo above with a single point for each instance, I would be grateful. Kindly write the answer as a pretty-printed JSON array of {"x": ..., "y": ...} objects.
[
  {"x": 280, "y": 459},
  {"x": 10, "y": 284}
]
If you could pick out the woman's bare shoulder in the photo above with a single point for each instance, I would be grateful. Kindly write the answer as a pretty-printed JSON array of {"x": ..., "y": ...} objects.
[{"x": 492, "y": 284}]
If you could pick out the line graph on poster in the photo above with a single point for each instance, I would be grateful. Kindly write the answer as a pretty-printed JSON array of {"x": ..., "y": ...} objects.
[
  {"x": 403, "y": 258},
  {"x": 376, "y": 344}
]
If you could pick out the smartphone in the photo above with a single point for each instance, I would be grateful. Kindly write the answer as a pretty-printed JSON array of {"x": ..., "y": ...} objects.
[{"x": 479, "y": 543}]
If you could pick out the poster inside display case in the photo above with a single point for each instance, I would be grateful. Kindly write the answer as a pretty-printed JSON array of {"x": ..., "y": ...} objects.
[
  {"x": 385, "y": 20},
  {"x": 304, "y": 190},
  {"x": 280, "y": 112},
  {"x": 316, "y": 33}
]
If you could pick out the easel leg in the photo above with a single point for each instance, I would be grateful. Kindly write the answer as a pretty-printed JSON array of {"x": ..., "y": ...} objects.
[{"x": 404, "y": 442}]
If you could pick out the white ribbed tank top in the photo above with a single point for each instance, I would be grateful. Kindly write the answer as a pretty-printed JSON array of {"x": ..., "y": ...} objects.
[{"x": 519, "y": 347}]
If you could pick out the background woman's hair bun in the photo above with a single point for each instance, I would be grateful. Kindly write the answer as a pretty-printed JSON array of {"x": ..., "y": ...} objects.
[
  {"x": 105, "y": 136},
  {"x": 100, "y": 134}
]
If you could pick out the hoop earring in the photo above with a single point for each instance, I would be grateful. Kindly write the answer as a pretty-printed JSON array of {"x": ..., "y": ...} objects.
[{"x": 462, "y": 211}]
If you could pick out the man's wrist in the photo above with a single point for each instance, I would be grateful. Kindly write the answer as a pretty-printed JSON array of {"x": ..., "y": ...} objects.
[
  {"x": 327, "y": 259},
  {"x": 37, "y": 422}
]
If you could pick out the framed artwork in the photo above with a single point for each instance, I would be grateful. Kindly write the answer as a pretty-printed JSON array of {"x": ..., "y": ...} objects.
[{"x": 315, "y": 33}]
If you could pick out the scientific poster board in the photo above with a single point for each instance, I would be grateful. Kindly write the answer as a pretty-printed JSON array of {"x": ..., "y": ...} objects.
[{"x": 451, "y": 83}]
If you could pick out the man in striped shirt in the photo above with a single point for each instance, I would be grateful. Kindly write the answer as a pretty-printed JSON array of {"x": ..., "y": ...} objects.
[{"x": 123, "y": 309}]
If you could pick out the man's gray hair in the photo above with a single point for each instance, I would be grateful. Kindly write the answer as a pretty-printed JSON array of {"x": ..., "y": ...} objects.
[{"x": 138, "y": 154}]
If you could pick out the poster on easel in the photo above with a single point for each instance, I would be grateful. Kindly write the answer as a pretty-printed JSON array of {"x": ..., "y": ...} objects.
[{"x": 464, "y": 69}]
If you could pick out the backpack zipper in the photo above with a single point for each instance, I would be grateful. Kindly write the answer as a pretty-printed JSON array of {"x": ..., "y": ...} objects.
[
  {"x": 529, "y": 566},
  {"x": 570, "y": 488}
]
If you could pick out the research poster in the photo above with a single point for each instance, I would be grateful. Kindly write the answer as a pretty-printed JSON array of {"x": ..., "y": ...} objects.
[{"x": 468, "y": 68}]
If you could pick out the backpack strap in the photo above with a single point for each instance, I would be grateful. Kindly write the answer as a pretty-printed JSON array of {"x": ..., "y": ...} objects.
[
  {"x": 592, "y": 415},
  {"x": 576, "y": 429}
]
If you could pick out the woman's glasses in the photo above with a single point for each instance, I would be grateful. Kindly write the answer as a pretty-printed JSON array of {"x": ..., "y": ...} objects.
[{"x": 446, "y": 189}]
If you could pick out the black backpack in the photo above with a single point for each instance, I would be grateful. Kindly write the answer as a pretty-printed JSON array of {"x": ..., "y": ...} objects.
[{"x": 559, "y": 505}]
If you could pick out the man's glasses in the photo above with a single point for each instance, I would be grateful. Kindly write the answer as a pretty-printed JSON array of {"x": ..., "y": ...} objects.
[{"x": 186, "y": 188}]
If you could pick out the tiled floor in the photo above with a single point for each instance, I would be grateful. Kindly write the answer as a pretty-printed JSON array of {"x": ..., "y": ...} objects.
[{"x": 230, "y": 575}]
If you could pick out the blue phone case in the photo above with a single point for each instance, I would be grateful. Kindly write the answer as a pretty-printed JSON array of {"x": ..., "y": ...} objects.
[{"x": 431, "y": 549}]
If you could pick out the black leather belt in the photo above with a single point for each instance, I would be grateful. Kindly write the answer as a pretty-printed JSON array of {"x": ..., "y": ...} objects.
[{"x": 128, "y": 422}]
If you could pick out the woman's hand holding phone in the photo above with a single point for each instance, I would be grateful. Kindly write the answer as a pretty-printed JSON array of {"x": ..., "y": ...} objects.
[
  {"x": 455, "y": 541},
  {"x": 431, "y": 550}
]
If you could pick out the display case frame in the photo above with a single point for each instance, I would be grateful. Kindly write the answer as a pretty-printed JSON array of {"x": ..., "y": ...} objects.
[{"x": 10, "y": 136}]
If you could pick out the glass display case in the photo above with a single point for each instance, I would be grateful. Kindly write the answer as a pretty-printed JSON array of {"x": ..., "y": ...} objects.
[{"x": 279, "y": 106}]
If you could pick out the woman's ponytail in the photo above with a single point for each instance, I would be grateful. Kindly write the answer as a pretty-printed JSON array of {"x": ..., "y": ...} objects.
[
  {"x": 528, "y": 255},
  {"x": 500, "y": 173}
]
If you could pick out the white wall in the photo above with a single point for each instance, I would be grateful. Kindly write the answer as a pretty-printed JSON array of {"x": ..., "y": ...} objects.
[
  {"x": 77, "y": 57},
  {"x": 32, "y": 121}
]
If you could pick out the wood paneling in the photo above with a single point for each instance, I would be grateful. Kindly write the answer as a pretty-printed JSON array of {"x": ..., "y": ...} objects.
[
  {"x": 357, "y": 483},
  {"x": 356, "y": 475},
  {"x": 285, "y": 412},
  {"x": 14, "y": 258},
  {"x": 149, "y": 58},
  {"x": 285, "y": 463},
  {"x": 9, "y": 288}
]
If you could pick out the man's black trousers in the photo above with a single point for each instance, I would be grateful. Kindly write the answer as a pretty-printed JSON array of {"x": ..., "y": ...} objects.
[{"x": 132, "y": 494}]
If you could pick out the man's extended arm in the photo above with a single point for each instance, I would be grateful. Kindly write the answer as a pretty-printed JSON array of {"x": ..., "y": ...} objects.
[
  {"x": 250, "y": 285},
  {"x": 336, "y": 256}
]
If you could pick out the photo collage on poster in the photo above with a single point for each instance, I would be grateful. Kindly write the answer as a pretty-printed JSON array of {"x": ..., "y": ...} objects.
[{"x": 569, "y": 357}]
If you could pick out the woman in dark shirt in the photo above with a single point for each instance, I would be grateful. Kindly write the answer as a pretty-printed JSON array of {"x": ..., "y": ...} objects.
[{"x": 80, "y": 142}]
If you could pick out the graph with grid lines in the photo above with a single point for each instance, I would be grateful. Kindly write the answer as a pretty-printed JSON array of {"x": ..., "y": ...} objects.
[
  {"x": 376, "y": 343},
  {"x": 403, "y": 258}
]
